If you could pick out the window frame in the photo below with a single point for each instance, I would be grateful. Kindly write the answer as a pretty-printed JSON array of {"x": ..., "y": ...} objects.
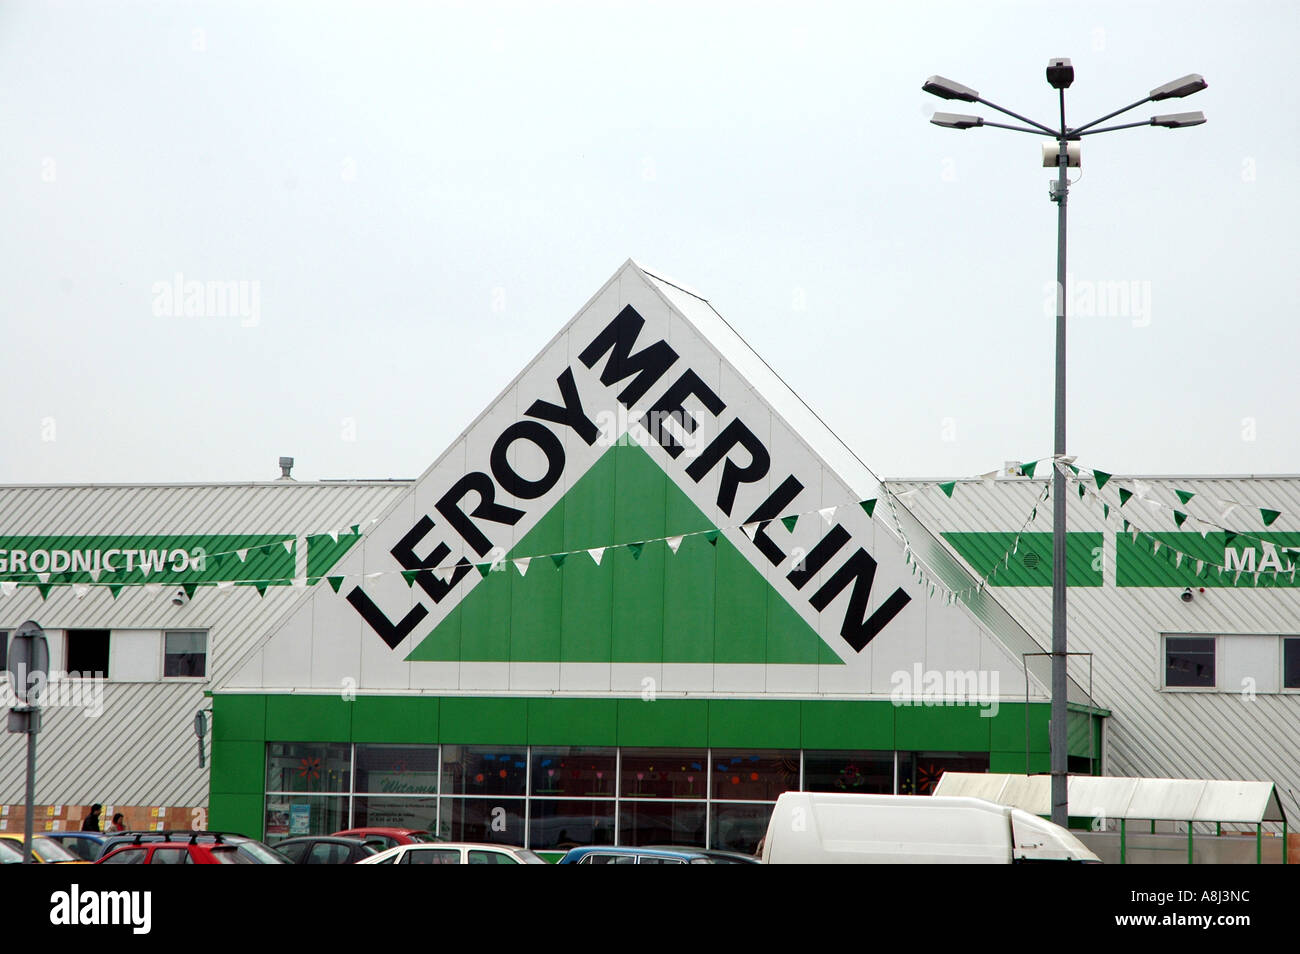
[
  {"x": 207, "y": 655},
  {"x": 1281, "y": 667},
  {"x": 105, "y": 675},
  {"x": 1164, "y": 662}
]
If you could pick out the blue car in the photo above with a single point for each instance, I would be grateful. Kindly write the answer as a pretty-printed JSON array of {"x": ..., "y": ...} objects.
[
  {"x": 86, "y": 845},
  {"x": 620, "y": 855}
]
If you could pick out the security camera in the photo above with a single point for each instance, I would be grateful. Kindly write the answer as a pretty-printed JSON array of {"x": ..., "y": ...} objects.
[
  {"x": 1187, "y": 595},
  {"x": 1060, "y": 74},
  {"x": 180, "y": 598}
]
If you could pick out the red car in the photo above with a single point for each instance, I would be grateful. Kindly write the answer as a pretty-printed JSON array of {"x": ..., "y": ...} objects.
[
  {"x": 191, "y": 848},
  {"x": 383, "y": 838}
]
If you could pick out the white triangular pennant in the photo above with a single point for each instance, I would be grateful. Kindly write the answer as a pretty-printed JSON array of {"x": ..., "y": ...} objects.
[
  {"x": 242, "y": 554},
  {"x": 748, "y": 529},
  {"x": 827, "y": 514},
  {"x": 226, "y": 585},
  {"x": 7, "y": 587},
  {"x": 1155, "y": 546},
  {"x": 43, "y": 577},
  {"x": 596, "y": 553},
  {"x": 80, "y": 590},
  {"x": 1200, "y": 565},
  {"x": 94, "y": 575},
  {"x": 1178, "y": 558},
  {"x": 521, "y": 565},
  {"x": 673, "y": 543},
  {"x": 288, "y": 546},
  {"x": 334, "y": 536}
]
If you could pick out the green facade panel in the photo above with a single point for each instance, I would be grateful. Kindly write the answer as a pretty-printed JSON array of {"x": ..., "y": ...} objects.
[
  {"x": 754, "y": 723},
  {"x": 395, "y": 719},
  {"x": 238, "y": 717},
  {"x": 989, "y": 553},
  {"x": 478, "y": 721},
  {"x": 308, "y": 718},
  {"x": 950, "y": 728},
  {"x": 1139, "y": 563},
  {"x": 836, "y": 724},
  {"x": 1008, "y": 727},
  {"x": 1014, "y": 762},
  {"x": 239, "y": 766},
  {"x": 238, "y": 813},
  {"x": 573, "y": 722},
  {"x": 663, "y": 723}
]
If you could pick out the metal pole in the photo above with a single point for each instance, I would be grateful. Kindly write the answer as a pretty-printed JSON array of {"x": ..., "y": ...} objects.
[
  {"x": 31, "y": 791},
  {"x": 1123, "y": 841},
  {"x": 1058, "y": 732}
]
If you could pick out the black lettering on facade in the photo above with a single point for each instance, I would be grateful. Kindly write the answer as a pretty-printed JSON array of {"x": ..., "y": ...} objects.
[
  {"x": 405, "y": 554},
  {"x": 570, "y": 413},
  {"x": 780, "y": 498},
  {"x": 380, "y": 623},
  {"x": 449, "y": 507},
  {"x": 670, "y": 405},
  {"x": 858, "y": 629},
  {"x": 733, "y": 475},
  {"x": 821, "y": 554},
  {"x": 649, "y": 364},
  {"x": 506, "y": 475}
]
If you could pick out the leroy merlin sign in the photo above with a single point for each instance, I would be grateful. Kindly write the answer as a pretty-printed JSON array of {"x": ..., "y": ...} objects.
[{"x": 528, "y": 459}]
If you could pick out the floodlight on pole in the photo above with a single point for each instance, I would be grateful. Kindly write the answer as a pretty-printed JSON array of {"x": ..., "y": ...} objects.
[{"x": 1065, "y": 154}]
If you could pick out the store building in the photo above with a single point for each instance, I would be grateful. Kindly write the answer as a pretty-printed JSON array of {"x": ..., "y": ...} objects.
[{"x": 645, "y": 592}]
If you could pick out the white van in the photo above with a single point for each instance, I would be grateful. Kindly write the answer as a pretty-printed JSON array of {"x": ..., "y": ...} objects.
[{"x": 832, "y": 828}]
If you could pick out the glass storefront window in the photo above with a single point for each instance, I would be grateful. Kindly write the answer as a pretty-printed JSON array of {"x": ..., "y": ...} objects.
[
  {"x": 377, "y": 811},
  {"x": 484, "y": 769},
  {"x": 756, "y": 775},
  {"x": 858, "y": 773},
  {"x": 926, "y": 768},
  {"x": 563, "y": 824},
  {"x": 575, "y": 772},
  {"x": 493, "y": 820},
  {"x": 738, "y": 827},
  {"x": 661, "y": 823},
  {"x": 308, "y": 767},
  {"x": 664, "y": 773},
  {"x": 397, "y": 769},
  {"x": 288, "y": 816}
]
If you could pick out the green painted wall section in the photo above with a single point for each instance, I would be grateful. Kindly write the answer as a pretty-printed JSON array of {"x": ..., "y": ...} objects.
[
  {"x": 706, "y": 604},
  {"x": 1031, "y": 564},
  {"x": 243, "y": 724},
  {"x": 1138, "y": 564}
]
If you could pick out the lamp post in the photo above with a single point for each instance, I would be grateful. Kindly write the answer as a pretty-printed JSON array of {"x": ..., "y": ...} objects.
[
  {"x": 1066, "y": 153},
  {"x": 28, "y": 666}
]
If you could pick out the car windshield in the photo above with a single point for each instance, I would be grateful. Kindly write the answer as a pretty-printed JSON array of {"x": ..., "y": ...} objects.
[
  {"x": 423, "y": 837},
  {"x": 51, "y": 851},
  {"x": 258, "y": 854},
  {"x": 529, "y": 858},
  {"x": 10, "y": 853}
]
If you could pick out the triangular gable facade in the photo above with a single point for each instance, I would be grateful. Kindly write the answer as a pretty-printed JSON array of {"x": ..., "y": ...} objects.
[{"x": 646, "y": 508}]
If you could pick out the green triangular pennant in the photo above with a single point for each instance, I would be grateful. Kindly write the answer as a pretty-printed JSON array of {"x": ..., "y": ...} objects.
[
  {"x": 869, "y": 506},
  {"x": 790, "y": 522},
  {"x": 1185, "y": 495},
  {"x": 1105, "y": 511},
  {"x": 1179, "y": 517},
  {"x": 261, "y": 588},
  {"x": 335, "y": 581},
  {"x": 114, "y": 589},
  {"x": 712, "y": 537},
  {"x": 559, "y": 558},
  {"x": 483, "y": 569},
  {"x": 1101, "y": 477},
  {"x": 1028, "y": 469},
  {"x": 1073, "y": 468},
  {"x": 1081, "y": 491},
  {"x": 189, "y": 589},
  {"x": 1229, "y": 536},
  {"x": 1126, "y": 526},
  {"x": 1124, "y": 496},
  {"x": 409, "y": 576},
  {"x": 1269, "y": 515},
  {"x": 44, "y": 588},
  {"x": 636, "y": 549},
  {"x": 947, "y": 487}
]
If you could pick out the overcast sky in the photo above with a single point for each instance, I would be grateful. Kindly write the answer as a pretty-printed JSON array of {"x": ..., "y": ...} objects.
[{"x": 421, "y": 195}]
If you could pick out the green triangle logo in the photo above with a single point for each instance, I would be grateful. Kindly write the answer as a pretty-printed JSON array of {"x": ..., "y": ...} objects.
[{"x": 701, "y": 605}]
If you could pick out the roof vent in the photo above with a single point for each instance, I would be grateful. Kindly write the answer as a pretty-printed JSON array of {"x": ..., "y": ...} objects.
[{"x": 286, "y": 465}]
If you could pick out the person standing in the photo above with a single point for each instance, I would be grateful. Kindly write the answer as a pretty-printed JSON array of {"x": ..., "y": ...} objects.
[
  {"x": 92, "y": 820},
  {"x": 117, "y": 824}
]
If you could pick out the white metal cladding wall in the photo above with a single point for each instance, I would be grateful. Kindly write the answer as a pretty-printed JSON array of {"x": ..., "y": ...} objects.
[
  {"x": 142, "y": 749},
  {"x": 1152, "y": 732}
]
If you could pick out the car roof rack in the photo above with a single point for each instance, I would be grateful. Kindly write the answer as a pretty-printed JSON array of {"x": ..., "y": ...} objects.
[{"x": 180, "y": 834}]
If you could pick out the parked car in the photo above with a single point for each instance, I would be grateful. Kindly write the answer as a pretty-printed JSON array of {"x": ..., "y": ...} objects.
[
  {"x": 44, "y": 850},
  {"x": 10, "y": 854},
  {"x": 86, "y": 845},
  {"x": 383, "y": 838},
  {"x": 627, "y": 855},
  {"x": 449, "y": 853},
  {"x": 717, "y": 855},
  {"x": 187, "y": 848},
  {"x": 324, "y": 850}
]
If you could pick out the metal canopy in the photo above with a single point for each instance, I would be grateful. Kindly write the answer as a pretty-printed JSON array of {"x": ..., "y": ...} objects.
[{"x": 1157, "y": 799}]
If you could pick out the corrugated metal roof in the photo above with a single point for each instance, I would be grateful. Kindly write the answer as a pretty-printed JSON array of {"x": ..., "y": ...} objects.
[
  {"x": 1223, "y": 735},
  {"x": 80, "y": 758},
  {"x": 1158, "y": 799}
]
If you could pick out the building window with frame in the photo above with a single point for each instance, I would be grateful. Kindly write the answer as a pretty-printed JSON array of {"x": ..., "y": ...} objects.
[
  {"x": 1291, "y": 662},
  {"x": 86, "y": 652},
  {"x": 4, "y": 650},
  {"x": 185, "y": 654},
  {"x": 1189, "y": 662}
]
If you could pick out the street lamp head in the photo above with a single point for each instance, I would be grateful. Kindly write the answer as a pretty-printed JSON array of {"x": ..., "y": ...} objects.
[
  {"x": 1178, "y": 120},
  {"x": 1060, "y": 74},
  {"x": 947, "y": 89},
  {"x": 956, "y": 121},
  {"x": 1189, "y": 84}
]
